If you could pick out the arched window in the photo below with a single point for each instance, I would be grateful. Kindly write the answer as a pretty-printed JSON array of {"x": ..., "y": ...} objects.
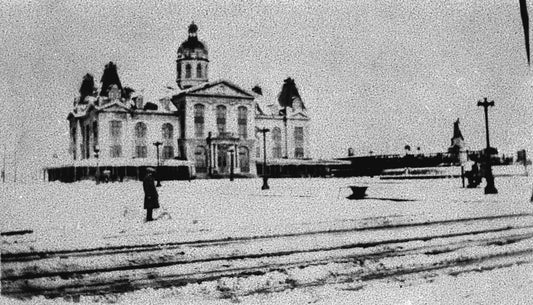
[
  {"x": 199, "y": 71},
  {"x": 242, "y": 121},
  {"x": 276, "y": 138},
  {"x": 200, "y": 156},
  {"x": 199, "y": 120},
  {"x": 168, "y": 131},
  {"x": 141, "y": 150},
  {"x": 221, "y": 119},
  {"x": 188, "y": 71},
  {"x": 168, "y": 145},
  {"x": 244, "y": 159}
]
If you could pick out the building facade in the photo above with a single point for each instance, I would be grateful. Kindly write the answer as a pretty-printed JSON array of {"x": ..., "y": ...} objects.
[{"x": 207, "y": 127}]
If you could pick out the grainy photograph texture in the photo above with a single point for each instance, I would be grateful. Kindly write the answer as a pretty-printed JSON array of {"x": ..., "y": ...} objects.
[{"x": 266, "y": 152}]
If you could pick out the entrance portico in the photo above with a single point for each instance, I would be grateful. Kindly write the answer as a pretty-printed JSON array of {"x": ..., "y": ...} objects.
[{"x": 219, "y": 153}]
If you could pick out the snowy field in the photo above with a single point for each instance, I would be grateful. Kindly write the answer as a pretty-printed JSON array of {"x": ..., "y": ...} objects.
[{"x": 83, "y": 215}]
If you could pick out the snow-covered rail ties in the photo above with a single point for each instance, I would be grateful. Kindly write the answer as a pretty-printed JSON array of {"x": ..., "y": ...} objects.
[{"x": 361, "y": 253}]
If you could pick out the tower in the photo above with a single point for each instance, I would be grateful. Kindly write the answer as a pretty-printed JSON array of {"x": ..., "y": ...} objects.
[{"x": 192, "y": 61}]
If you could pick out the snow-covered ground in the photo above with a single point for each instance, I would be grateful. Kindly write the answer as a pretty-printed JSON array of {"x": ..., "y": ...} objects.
[{"x": 84, "y": 215}]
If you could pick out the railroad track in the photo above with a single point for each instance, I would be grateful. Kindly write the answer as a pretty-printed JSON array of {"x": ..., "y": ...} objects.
[
  {"x": 35, "y": 255},
  {"x": 122, "y": 269}
]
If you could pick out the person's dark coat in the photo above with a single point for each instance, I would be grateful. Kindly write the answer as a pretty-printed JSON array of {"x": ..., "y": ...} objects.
[{"x": 151, "y": 198}]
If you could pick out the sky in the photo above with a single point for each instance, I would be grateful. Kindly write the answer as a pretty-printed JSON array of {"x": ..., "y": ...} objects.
[{"x": 374, "y": 75}]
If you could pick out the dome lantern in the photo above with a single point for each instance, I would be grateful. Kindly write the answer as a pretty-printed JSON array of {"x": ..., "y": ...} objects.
[{"x": 192, "y": 61}]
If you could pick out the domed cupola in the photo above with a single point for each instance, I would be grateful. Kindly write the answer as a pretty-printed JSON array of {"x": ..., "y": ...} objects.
[{"x": 192, "y": 61}]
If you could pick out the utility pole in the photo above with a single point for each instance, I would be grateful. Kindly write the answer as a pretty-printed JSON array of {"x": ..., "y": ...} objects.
[{"x": 489, "y": 188}]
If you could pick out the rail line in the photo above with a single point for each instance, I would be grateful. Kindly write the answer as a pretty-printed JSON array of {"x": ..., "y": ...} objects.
[
  {"x": 216, "y": 259},
  {"x": 34, "y": 255}
]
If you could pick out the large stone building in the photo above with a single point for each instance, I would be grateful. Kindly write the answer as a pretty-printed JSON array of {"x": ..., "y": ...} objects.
[{"x": 199, "y": 129}]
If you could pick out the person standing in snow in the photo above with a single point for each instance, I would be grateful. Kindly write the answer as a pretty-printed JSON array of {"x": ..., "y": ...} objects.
[{"x": 151, "y": 198}]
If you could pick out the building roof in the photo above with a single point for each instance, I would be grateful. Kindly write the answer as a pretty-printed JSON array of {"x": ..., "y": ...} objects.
[{"x": 206, "y": 85}]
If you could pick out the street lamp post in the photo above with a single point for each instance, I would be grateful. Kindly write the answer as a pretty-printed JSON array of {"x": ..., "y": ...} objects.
[
  {"x": 157, "y": 144},
  {"x": 210, "y": 154},
  {"x": 97, "y": 173},
  {"x": 265, "y": 178},
  {"x": 489, "y": 188},
  {"x": 231, "y": 173}
]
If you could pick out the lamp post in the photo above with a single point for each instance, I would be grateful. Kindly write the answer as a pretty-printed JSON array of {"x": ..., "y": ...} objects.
[
  {"x": 489, "y": 188},
  {"x": 210, "y": 153},
  {"x": 157, "y": 144},
  {"x": 231, "y": 173},
  {"x": 97, "y": 173},
  {"x": 265, "y": 178}
]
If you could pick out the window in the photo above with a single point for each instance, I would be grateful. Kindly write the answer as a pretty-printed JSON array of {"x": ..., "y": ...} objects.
[
  {"x": 141, "y": 151},
  {"x": 140, "y": 130},
  {"x": 276, "y": 138},
  {"x": 199, "y": 71},
  {"x": 116, "y": 129},
  {"x": 168, "y": 131},
  {"x": 188, "y": 71},
  {"x": 168, "y": 152},
  {"x": 87, "y": 142},
  {"x": 95, "y": 133},
  {"x": 82, "y": 142},
  {"x": 298, "y": 134},
  {"x": 242, "y": 121},
  {"x": 73, "y": 141},
  {"x": 201, "y": 159},
  {"x": 115, "y": 149},
  {"x": 299, "y": 152},
  {"x": 221, "y": 119},
  {"x": 168, "y": 145},
  {"x": 244, "y": 159},
  {"x": 298, "y": 142},
  {"x": 199, "y": 111}
]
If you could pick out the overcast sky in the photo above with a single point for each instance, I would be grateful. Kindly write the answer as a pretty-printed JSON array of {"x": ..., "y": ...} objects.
[{"x": 375, "y": 75}]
